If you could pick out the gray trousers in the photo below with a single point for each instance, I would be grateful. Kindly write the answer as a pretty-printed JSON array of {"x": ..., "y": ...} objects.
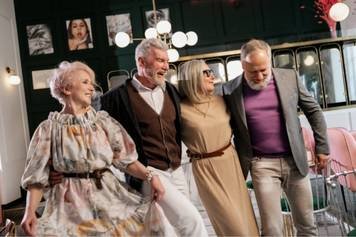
[{"x": 272, "y": 175}]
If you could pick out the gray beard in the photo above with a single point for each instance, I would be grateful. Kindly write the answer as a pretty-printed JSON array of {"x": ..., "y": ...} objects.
[{"x": 259, "y": 86}]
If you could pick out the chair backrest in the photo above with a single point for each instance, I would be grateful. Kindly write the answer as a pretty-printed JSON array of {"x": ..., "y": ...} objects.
[
  {"x": 117, "y": 77},
  {"x": 343, "y": 199},
  {"x": 353, "y": 133},
  {"x": 342, "y": 151},
  {"x": 133, "y": 72}
]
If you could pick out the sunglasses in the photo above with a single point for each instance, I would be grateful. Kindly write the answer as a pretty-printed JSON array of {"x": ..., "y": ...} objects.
[{"x": 208, "y": 72}]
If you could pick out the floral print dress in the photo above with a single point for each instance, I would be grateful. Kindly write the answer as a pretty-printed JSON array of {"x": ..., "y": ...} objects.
[{"x": 76, "y": 207}]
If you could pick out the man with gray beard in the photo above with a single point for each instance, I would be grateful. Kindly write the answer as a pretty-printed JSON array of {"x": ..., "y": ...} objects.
[
  {"x": 264, "y": 102},
  {"x": 148, "y": 107}
]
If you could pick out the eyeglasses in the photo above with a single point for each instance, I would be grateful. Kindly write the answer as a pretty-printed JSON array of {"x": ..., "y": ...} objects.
[{"x": 208, "y": 72}]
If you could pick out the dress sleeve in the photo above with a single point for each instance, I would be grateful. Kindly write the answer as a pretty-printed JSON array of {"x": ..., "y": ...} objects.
[
  {"x": 36, "y": 168},
  {"x": 121, "y": 143}
]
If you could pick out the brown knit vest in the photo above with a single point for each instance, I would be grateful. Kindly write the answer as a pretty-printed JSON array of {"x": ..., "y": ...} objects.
[{"x": 158, "y": 131}]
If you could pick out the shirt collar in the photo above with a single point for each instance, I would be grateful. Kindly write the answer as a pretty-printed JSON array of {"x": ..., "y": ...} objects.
[{"x": 140, "y": 87}]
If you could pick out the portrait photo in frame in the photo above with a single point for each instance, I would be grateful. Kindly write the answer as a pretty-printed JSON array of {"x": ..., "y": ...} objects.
[
  {"x": 161, "y": 14},
  {"x": 118, "y": 23},
  {"x": 79, "y": 34},
  {"x": 39, "y": 39},
  {"x": 40, "y": 78}
]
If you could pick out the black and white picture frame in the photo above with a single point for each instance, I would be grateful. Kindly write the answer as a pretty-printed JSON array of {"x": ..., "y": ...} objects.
[
  {"x": 39, "y": 39},
  {"x": 40, "y": 78},
  {"x": 79, "y": 34},
  {"x": 161, "y": 14},
  {"x": 118, "y": 23}
]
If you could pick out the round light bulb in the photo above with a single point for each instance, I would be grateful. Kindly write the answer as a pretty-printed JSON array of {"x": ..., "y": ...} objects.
[
  {"x": 192, "y": 38},
  {"x": 339, "y": 11},
  {"x": 163, "y": 27},
  {"x": 14, "y": 80},
  {"x": 309, "y": 60},
  {"x": 122, "y": 39},
  {"x": 179, "y": 39},
  {"x": 150, "y": 33},
  {"x": 173, "y": 55}
]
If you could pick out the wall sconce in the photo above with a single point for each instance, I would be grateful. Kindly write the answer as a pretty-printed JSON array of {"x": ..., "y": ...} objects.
[{"x": 14, "y": 79}]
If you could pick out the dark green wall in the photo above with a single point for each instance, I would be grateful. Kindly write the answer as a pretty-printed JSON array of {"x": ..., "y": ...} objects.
[{"x": 220, "y": 24}]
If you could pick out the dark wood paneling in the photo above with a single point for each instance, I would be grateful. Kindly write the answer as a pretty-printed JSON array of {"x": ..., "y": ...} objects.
[
  {"x": 277, "y": 21},
  {"x": 241, "y": 20},
  {"x": 201, "y": 17}
]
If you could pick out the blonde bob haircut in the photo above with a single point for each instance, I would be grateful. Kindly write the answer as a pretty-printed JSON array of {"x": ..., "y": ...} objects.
[
  {"x": 63, "y": 77},
  {"x": 190, "y": 81}
]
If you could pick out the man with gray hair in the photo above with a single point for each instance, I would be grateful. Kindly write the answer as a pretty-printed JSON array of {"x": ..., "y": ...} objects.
[
  {"x": 148, "y": 107},
  {"x": 264, "y": 102}
]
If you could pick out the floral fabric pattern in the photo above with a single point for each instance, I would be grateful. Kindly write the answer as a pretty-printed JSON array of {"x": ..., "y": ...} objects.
[{"x": 76, "y": 207}]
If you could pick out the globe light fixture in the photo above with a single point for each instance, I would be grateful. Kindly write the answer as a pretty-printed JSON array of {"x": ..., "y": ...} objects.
[
  {"x": 192, "y": 38},
  {"x": 162, "y": 31},
  {"x": 122, "y": 39},
  {"x": 164, "y": 27},
  {"x": 339, "y": 11}
]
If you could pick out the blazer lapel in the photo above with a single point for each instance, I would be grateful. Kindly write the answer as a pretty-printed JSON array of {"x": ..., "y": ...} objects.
[
  {"x": 239, "y": 104},
  {"x": 282, "y": 89}
]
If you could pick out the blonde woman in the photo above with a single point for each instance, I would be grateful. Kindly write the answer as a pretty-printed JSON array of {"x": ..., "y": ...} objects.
[
  {"x": 82, "y": 144},
  {"x": 207, "y": 134}
]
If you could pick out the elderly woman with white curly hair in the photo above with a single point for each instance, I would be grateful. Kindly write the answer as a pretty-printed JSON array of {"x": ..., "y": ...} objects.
[{"x": 82, "y": 144}]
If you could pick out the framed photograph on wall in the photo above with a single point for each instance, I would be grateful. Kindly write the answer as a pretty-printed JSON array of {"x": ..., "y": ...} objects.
[
  {"x": 79, "y": 34},
  {"x": 40, "y": 78},
  {"x": 39, "y": 39},
  {"x": 118, "y": 23},
  {"x": 161, "y": 14}
]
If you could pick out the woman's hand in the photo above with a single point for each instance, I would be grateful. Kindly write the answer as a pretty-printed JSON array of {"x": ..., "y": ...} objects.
[
  {"x": 29, "y": 223},
  {"x": 157, "y": 189}
]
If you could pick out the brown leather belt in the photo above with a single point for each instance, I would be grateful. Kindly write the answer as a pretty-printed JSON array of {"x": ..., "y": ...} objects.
[
  {"x": 198, "y": 156},
  {"x": 96, "y": 174}
]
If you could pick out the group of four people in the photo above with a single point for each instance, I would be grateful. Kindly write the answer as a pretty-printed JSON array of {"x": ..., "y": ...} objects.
[{"x": 146, "y": 120}]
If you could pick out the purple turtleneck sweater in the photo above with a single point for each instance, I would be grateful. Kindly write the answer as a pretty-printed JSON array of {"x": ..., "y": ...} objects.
[{"x": 265, "y": 121}]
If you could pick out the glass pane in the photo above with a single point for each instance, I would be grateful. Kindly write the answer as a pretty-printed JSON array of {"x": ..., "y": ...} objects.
[
  {"x": 234, "y": 69},
  {"x": 308, "y": 67},
  {"x": 350, "y": 66},
  {"x": 284, "y": 60},
  {"x": 172, "y": 77},
  {"x": 331, "y": 69},
  {"x": 218, "y": 69}
]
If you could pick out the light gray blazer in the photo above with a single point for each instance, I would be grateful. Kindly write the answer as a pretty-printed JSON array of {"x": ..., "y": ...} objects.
[{"x": 292, "y": 94}]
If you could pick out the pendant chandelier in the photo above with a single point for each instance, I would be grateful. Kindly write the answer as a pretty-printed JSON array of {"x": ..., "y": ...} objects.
[{"x": 162, "y": 31}]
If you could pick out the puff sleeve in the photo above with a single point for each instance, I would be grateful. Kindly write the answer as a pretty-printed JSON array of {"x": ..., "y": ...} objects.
[
  {"x": 121, "y": 143},
  {"x": 39, "y": 152}
]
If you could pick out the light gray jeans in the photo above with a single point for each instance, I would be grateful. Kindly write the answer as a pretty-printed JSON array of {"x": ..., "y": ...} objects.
[
  {"x": 176, "y": 205},
  {"x": 272, "y": 175}
]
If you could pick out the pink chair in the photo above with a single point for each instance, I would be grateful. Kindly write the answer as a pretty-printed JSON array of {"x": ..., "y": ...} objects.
[
  {"x": 353, "y": 133},
  {"x": 342, "y": 151}
]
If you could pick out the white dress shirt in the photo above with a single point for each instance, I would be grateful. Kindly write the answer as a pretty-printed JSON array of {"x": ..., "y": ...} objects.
[{"x": 153, "y": 97}]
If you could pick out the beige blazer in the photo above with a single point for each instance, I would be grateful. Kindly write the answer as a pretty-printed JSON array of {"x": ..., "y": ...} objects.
[{"x": 292, "y": 94}]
